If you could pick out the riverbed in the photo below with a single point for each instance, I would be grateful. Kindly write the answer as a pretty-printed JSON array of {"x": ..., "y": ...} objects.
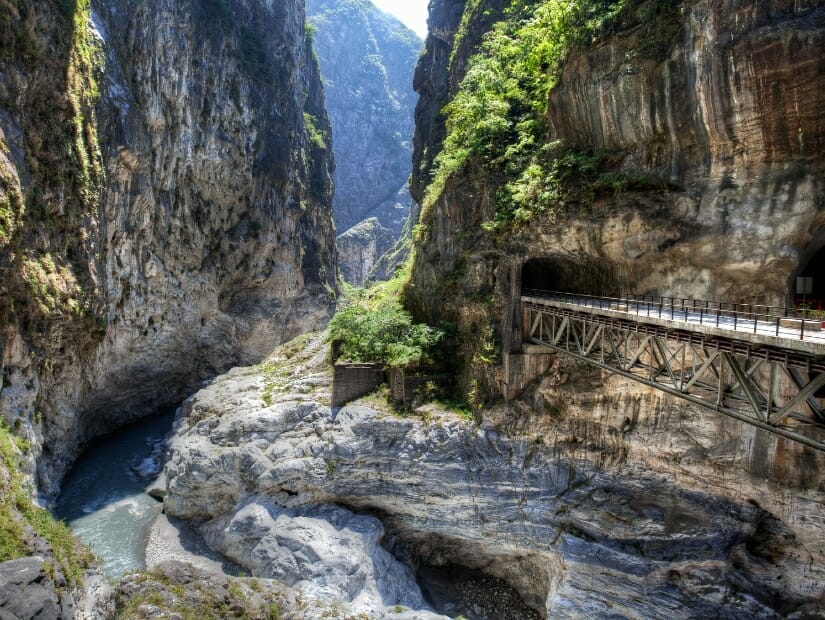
[{"x": 103, "y": 498}]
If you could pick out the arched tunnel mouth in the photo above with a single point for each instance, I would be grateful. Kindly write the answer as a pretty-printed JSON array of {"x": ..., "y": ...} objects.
[
  {"x": 570, "y": 273},
  {"x": 814, "y": 301},
  {"x": 814, "y": 269}
]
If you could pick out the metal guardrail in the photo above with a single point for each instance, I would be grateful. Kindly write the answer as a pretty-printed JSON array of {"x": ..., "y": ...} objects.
[{"x": 791, "y": 323}]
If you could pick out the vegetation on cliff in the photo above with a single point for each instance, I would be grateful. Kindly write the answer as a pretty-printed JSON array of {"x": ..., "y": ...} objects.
[
  {"x": 62, "y": 160},
  {"x": 499, "y": 116},
  {"x": 22, "y": 523}
]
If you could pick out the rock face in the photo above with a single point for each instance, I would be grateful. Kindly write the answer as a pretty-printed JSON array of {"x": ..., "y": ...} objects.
[
  {"x": 189, "y": 227},
  {"x": 177, "y": 589},
  {"x": 680, "y": 97},
  {"x": 360, "y": 248},
  {"x": 719, "y": 100},
  {"x": 326, "y": 552},
  {"x": 582, "y": 518},
  {"x": 367, "y": 59},
  {"x": 27, "y": 592}
]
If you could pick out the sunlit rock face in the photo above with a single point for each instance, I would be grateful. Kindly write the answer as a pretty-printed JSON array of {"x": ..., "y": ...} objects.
[
  {"x": 585, "y": 514},
  {"x": 367, "y": 60},
  {"x": 719, "y": 101},
  {"x": 207, "y": 238},
  {"x": 360, "y": 247}
]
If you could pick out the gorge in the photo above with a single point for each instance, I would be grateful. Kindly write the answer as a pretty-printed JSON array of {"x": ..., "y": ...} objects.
[
  {"x": 367, "y": 59},
  {"x": 167, "y": 240}
]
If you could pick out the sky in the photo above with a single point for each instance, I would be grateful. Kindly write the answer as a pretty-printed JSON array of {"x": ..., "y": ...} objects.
[{"x": 411, "y": 12}]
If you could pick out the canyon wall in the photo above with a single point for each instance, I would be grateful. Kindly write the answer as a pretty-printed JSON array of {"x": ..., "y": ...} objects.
[
  {"x": 713, "y": 106},
  {"x": 166, "y": 206},
  {"x": 367, "y": 59},
  {"x": 718, "y": 103}
]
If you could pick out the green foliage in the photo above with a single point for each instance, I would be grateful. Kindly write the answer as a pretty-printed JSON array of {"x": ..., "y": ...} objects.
[
  {"x": 11, "y": 203},
  {"x": 385, "y": 333},
  {"x": 17, "y": 511},
  {"x": 11, "y": 526},
  {"x": 569, "y": 177},
  {"x": 316, "y": 136},
  {"x": 58, "y": 112},
  {"x": 373, "y": 326},
  {"x": 310, "y": 30},
  {"x": 499, "y": 115}
]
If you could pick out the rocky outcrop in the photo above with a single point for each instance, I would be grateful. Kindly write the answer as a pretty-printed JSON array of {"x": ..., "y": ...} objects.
[
  {"x": 327, "y": 552},
  {"x": 716, "y": 100},
  {"x": 367, "y": 58},
  {"x": 360, "y": 248},
  {"x": 27, "y": 592},
  {"x": 177, "y": 589},
  {"x": 583, "y": 514},
  {"x": 439, "y": 72},
  {"x": 189, "y": 228}
]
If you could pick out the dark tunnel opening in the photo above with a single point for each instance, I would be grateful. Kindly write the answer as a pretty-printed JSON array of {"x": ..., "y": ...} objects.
[
  {"x": 568, "y": 274},
  {"x": 814, "y": 269}
]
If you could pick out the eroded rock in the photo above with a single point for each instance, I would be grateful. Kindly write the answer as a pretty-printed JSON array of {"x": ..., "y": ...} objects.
[
  {"x": 568, "y": 512},
  {"x": 26, "y": 591},
  {"x": 326, "y": 552}
]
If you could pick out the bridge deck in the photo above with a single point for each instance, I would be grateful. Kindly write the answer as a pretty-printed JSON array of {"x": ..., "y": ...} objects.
[
  {"x": 757, "y": 367},
  {"x": 755, "y": 328}
]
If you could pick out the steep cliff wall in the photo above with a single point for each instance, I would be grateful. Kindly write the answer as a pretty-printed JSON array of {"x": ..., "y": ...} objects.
[
  {"x": 701, "y": 122},
  {"x": 167, "y": 167},
  {"x": 367, "y": 59},
  {"x": 683, "y": 154}
]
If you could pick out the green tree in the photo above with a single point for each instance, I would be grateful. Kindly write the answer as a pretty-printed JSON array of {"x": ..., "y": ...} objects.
[{"x": 384, "y": 333}]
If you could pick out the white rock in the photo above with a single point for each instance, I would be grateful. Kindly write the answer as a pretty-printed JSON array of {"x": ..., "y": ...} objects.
[{"x": 326, "y": 551}]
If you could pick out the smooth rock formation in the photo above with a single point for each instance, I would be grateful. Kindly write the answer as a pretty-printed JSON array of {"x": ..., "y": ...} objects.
[
  {"x": 326, "y": 552},
  {"x": 177, "y": 589},
  {"x": 187, "y": 228},
  {"x": 367, "y": 58},
  {"x": 582, "y": 518}
]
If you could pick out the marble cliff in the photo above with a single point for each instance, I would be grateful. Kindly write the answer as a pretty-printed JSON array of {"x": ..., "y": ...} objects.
[
  {"x": 367, "y": 58},
  {"x": 166, "y": 206},
  {"x": 193, "y": 215}
]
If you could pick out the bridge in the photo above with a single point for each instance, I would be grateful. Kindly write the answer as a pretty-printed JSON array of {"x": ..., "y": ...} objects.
[{"x": 762, "y": 365}]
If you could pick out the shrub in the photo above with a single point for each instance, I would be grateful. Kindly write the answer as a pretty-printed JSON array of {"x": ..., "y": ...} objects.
[{"x": 384, "y": 333}]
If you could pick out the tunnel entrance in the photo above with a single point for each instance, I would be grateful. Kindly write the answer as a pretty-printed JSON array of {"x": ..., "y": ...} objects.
[
  {"x": 569, "y": 274},
  {"x": 814, "y": 269}
]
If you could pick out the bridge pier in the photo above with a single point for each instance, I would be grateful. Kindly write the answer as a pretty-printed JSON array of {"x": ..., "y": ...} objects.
[{"x": 521, "y": 368}]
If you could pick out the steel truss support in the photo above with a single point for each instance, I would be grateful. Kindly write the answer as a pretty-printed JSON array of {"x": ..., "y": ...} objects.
[{"x": 771, "y": 388}]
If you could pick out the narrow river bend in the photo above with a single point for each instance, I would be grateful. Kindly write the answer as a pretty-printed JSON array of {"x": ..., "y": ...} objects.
[{"x": 103, "y": 498}]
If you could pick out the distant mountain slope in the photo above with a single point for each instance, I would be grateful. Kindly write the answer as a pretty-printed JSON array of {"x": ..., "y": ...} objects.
[{"x": 367, "y": 62}]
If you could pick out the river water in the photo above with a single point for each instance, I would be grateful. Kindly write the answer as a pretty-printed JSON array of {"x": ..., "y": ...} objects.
[{"x": 103, "y": 497}]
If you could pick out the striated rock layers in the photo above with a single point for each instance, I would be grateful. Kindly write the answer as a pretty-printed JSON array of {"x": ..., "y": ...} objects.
[
  {"x": 567, "y": 509},
  {"x": 360, "y": 248},
  {"x": 367, "y": 59},
  {"x": 718, "y": 100},
  {"x": 165, "y": 205}
]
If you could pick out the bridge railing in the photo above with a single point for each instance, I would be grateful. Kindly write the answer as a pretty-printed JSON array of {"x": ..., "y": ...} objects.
[{"x": 797, "y": 323}]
